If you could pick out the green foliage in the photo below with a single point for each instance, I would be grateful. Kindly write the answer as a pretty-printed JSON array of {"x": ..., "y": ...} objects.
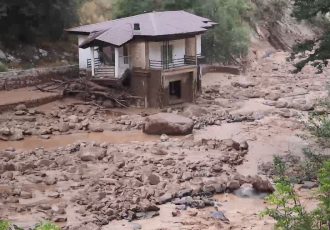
[
  {"x": 3, "y": 67},
  {"x": 270, "y": 10},
  {"x": 27, "y": 20},
  {"x": 227, "y": 41},
  {"x": 287, "y": 210},
  {"x": 309, "y": 10},
  {"x": 230, "y": 38},
  {"x": 319, "y": 125},
  {"x": 4, "y": 225},
  {"x": 47, "y": 226},
  {"x": 323, "y": 211}
]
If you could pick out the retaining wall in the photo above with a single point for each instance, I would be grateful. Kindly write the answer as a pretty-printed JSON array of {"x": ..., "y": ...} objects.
[
  {"x": 220, "y": 69},
  {"x": 24, "y": 78}
]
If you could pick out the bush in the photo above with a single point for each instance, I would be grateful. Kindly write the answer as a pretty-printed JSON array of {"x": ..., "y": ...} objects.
[
  {"x": 3, "y": 67},
  {"x": 286, "y": 207},
  {"x": 4, "y": 225},
  {"x": 47, "y": 226}
]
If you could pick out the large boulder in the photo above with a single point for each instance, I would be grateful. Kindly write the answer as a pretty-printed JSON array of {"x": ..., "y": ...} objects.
[{"x": 168, "y": 123}]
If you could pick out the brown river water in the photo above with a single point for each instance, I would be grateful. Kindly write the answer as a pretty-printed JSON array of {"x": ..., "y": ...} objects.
[{"x": 122, "y": 137}]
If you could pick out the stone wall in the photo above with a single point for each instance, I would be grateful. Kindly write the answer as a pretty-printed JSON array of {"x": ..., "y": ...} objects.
[
  {"x": 24, "y": 78},
  {"x": 220, "y": 69}
]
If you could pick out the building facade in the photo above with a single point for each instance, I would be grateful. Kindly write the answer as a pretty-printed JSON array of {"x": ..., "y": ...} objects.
[{"x": 158, "y": 51}]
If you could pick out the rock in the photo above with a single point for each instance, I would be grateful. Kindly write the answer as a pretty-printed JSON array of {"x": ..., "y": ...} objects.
[
  {"x": 92, "y": 153},
  {"x": 274, "y": 96},
  {"x": 73, "y": 119},
  {"x": 262, "y": 185},
  {"x": 233, "y": 185},
  {"x": 244, "y": 145},
  {"x": 231, "y": 144},
  {"x": 7, "y": 175},
  {"x": 59, "y": 219},
  {"x": 159, "y": 152},
  {"x": 194, "y": 111},
  {"x": 309, "y": 185},
  {"x": 95, "y": 127},
  {"x": 153, "y": 179},
  {"x": 50, "y": 181},
  {"x": 26, "y": 195},
  {"x": 20, "y": 113},
  {"x": 167, "y": 197},
  {"x": 243, "y": 84},
  {"x": 63, "y": 127},
  {"x": 45, "y": 207},
  {"x": 218, "y": 215},
  {"x": 5, "y": 131},
  {"x": 136, "y": 226},
  {"x": 16, "y": 134},
  {"x": 21, "y": 107},
  {"x": 164, "y": 138},
  {"x": 168, "y": 123},
  {"x": 108, "y": 104}
]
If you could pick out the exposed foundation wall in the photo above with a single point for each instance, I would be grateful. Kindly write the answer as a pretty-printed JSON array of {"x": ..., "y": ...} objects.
[
  {"x": 188, "y": 79},
  {"x": 24, "y": 78},
  {"x": 153, "y": 85}
]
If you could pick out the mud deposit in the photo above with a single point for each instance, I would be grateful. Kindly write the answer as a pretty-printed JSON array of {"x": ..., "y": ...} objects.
[
  {"x": 34, "y": 142},
  {"x": 98, "y": 171}
]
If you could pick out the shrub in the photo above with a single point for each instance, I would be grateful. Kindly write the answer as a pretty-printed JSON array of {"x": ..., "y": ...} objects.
[
  {"x": 3, "y": 67},
  {"x": 47, "y": 226},
  {"x": 286, "y": 207},
  {"x": 4, "y": 225}
]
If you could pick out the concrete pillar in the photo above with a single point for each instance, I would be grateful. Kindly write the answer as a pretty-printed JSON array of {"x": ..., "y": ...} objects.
[
  {"x": 92, "y": 61},
  {"x": 117, "y": 62}
]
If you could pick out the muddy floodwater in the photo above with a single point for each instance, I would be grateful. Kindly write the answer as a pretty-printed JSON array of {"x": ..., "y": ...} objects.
[{"x": 112, "y": 137}]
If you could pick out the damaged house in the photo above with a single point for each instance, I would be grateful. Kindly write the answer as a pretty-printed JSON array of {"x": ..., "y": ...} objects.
[{"x": 155, "y": 54}]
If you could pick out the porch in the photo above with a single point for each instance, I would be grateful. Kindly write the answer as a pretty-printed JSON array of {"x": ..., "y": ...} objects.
[{"x": 108, "y": 62}]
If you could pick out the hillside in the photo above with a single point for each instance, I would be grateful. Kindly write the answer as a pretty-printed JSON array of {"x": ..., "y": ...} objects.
[{"x": 269, "y": 23}]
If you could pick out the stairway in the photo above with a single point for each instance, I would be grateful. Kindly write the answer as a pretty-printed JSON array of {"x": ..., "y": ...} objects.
[{"x": 104, "y": 72}]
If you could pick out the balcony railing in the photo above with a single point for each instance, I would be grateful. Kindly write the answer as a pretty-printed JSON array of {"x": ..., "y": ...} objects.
[
  {"x": 174, "y": 63},
  {"x": 97, "y": 63}
]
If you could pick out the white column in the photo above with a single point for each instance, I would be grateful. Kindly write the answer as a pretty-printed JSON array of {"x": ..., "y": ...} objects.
[
  {"x": 117, "y": 62},
  {"x": 92, "y": 61}
]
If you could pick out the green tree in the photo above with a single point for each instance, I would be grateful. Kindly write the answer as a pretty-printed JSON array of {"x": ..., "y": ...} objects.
[
  {"x": 227, "y": 41},
  {"x": 310, "y": 10},
  {"x": 29, "y": 20}
]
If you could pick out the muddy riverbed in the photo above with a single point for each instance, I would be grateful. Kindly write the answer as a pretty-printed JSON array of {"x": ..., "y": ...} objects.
[{"x": 85, "y": 168}]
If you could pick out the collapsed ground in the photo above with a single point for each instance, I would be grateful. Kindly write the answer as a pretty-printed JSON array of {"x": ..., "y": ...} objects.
[{"x": 86, "y": 178}]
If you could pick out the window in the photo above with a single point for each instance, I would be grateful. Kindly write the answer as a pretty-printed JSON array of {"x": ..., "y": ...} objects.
[{"x": 167, "y": 54}]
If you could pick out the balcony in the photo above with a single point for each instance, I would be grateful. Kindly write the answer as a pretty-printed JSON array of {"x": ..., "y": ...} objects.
[{"x": 174, "y": 63}]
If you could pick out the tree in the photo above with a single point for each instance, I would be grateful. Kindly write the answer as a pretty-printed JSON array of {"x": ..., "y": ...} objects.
[
  {"x": 310, "y": 10},
  {"x": 28, "y": 20},
  {"x": 228, "y": 40}
]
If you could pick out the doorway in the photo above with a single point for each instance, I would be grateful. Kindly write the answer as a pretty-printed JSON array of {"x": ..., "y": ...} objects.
[{"x": 175, "y": 89}]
